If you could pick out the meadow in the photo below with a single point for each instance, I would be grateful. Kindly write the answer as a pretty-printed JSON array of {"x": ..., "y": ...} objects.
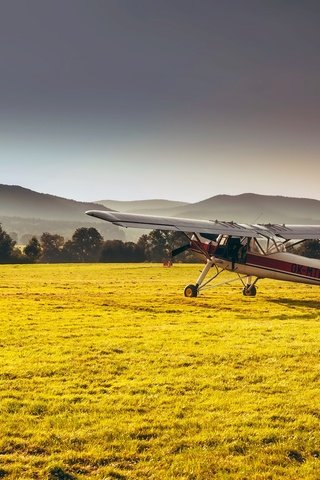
[{"x": 108, "y": 372}]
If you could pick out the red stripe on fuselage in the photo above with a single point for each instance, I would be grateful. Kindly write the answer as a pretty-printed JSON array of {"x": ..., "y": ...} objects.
[{"x": 283, "y": 266}]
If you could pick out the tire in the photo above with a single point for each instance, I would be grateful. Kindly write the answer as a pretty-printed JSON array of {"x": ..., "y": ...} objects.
[
  {"x": 191, "y": 291},
  {"x": 249, "y": 291}
]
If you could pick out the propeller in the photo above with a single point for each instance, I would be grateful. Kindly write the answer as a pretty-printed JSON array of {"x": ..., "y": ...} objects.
[{"x": 179, "y": 250}]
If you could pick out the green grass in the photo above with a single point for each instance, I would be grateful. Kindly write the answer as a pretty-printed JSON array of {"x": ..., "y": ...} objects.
[{"x": 108, "y": 372}]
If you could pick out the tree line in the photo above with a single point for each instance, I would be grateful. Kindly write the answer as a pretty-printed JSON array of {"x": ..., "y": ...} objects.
[{"x": 88, "y": 245}]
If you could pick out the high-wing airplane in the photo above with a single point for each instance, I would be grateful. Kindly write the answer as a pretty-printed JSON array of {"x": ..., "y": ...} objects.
[{"x": 252, "y": 252}]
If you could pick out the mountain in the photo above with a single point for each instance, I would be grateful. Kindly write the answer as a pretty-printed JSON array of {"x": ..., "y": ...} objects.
[
  {"x": 244, "y": 208},
  {"x": 26, "y": 212},
  {"x": 151, "y": 207},
  {"x": 254, "y": 208},
  {"x": 21, "y": 202}
]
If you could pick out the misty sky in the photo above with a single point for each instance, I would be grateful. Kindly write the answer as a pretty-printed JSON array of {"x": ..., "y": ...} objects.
[{"x": 177, "y": 99}]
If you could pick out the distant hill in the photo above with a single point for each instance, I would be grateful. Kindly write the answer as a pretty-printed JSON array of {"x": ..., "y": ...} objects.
[
  {"x": 244, "y": 208},
  {"x": 155, "y": 207},
  {"x": 24, "y": 211},
  {"x": 21, "y": 202},
  {"x": 253, "y": 208}
]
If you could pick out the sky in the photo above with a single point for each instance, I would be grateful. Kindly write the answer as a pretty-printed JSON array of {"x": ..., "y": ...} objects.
[{"x": 175, "y": 99}]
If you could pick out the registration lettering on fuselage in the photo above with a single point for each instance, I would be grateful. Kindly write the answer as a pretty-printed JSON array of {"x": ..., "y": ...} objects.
[{"x": 305, "y": 271}]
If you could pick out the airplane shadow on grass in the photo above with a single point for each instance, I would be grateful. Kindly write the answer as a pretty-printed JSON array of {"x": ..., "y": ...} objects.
[{"x": 290, "y": 302}]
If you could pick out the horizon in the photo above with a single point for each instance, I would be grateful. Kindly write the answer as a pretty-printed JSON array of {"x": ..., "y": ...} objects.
[{"x": 159, "y": 199}]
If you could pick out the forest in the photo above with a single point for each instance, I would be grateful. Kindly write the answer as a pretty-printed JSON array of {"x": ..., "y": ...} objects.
[{"x": 87, "y": 245}]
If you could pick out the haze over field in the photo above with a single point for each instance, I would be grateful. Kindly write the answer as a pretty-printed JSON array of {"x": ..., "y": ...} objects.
[
  {"x": 24, "y": 211},
  {"x": 173, "y": 99}
]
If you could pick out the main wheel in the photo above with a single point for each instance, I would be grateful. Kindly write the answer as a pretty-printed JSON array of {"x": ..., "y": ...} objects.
[
  {"x": 249, "y": 291},
  {"x": 191, "y": 291}
]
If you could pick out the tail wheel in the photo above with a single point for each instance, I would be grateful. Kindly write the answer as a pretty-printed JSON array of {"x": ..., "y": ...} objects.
[
  {"x": 191, "y": 291},
  {"x": 249, "y": 291}
]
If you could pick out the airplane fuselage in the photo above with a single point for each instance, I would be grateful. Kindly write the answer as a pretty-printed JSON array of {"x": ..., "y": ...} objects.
[{"x": 279, "y": 266}]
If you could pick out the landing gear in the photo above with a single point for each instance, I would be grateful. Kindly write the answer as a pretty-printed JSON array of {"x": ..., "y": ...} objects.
[
  {"x": 249, "y": 291},
  {"x": 191, "y": 291},
  {"x": 249, "y": 284}
]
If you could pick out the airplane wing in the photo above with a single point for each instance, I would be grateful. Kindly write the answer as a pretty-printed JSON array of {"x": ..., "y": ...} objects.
[
  {"x": 172, "y": 223},
  {"x": 293, "y": 232},
  {"x": 287, "y": 232}
]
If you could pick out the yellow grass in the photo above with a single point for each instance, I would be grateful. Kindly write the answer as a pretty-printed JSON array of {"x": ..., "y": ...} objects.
[{"x": 108, "y": 372}]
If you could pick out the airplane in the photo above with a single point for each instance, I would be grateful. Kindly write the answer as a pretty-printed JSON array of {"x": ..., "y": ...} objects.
[{"x": 251, "y": 251}]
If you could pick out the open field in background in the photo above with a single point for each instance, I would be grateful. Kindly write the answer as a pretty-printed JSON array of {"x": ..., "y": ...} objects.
[{"x": 108, "y": 372}]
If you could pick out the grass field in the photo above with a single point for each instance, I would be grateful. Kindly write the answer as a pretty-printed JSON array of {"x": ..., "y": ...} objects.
[{"x": 108, "y": 372}]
